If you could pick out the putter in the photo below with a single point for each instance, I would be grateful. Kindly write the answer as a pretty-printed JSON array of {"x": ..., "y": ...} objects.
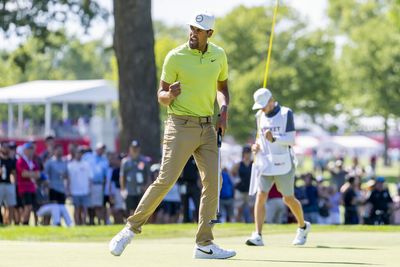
[{"x": 219, "y": 143}]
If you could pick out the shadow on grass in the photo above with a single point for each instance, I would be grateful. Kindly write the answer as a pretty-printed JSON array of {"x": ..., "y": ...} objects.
[
  {"x": 347, "y": 248},
  {"x": 311, "y": 262}
]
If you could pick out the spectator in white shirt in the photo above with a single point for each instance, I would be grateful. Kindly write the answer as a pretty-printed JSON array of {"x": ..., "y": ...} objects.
[{"x": 79, "y": 184}]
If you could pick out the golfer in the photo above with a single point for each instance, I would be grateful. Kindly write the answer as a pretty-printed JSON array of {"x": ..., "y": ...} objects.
[
  {"x": 274, "y": 163},
  {"x": 193, "y": 76}
]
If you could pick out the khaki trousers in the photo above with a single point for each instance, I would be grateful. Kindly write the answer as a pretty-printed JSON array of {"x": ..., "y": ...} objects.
[{"x": 185, "y": 136}]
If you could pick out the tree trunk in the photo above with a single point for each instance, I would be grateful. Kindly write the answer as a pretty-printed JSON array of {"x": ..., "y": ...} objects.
[
  {"x": 134, "y": 48},
  {"x": 386, "y": 142}
]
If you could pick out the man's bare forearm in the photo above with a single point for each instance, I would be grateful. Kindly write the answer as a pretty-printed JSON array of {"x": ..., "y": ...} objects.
[{"x": 223, "y": 99}]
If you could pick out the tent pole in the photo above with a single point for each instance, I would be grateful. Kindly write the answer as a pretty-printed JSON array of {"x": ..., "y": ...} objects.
[
  {"x": 20, "y": 118},
  {"x": 10, "y": 120},
  {"x": 65, "y": 111},
  {"x": 108, "y": 107},
  {"x": 47, "y": 119}
]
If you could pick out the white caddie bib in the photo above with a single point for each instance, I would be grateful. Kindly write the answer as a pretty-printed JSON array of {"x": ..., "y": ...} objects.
[{"x": 274, "y": 159}]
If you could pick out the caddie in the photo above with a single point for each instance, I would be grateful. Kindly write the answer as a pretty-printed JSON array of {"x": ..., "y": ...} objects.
[{"x": 274, "y": 163}]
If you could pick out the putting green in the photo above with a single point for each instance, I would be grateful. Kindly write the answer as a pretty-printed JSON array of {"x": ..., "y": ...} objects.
[{"x": 322, "y": 249}]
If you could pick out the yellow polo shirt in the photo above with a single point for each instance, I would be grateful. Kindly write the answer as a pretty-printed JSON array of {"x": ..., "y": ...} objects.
[{"x": 198, "y": 74}]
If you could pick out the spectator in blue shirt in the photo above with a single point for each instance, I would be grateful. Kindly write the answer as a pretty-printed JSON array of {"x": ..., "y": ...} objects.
[
  {"x": 99, "y": 165},
  {"x": 56, "y": 171},
  {"x": 226, "y": 197}
]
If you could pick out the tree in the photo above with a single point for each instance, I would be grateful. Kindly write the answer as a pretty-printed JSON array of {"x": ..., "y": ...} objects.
[
  {"x": 370, "y": 72},
  {"x": 134, "y": 48},
  {"x": 33, "y": 17},
  {"x": 301, "y": 67},
  {"x": 369, "y": 68},
  {"x": 133, "y": 43},
  {"x": 395, "y": 12}
]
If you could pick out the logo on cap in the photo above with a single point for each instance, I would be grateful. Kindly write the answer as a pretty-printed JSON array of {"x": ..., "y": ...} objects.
[{"x": 199, "y": 18}]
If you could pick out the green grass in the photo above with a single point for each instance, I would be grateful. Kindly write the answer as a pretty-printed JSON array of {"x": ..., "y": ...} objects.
[
  {"x": 172, "y": 245},
  {"x": 104, "y": 233},
  {"x": 325, "y": 247}
]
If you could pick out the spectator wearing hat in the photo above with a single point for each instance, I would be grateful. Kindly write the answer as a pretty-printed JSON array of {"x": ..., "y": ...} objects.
[
  {"x": 7, "y": 183},
  {"x": 99, "y": 164},
  {"x": 80, "y": 175},
  {"x": 134, "y": 176},
  {"x": 242, "y": 170},
  {"x": 27, "y": 174},
  {"x": 381, "y": 203}
]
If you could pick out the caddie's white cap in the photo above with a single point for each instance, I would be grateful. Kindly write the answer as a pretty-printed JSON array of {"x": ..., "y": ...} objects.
[
  {"x": 261, "y": 98},
  {"x": 202, "y": 20}
]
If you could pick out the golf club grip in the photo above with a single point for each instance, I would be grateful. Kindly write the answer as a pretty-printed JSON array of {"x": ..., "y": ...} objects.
[{"x": 219, "y": 137}]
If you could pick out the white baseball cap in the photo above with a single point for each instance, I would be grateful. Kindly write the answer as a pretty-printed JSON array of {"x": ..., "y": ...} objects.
[
  {"x": 202, "y": 20},
  {"x": 261, "y": 98}
]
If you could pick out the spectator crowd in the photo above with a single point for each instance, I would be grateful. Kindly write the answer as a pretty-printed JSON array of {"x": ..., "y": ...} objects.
[{"x": 85, "y": 187}]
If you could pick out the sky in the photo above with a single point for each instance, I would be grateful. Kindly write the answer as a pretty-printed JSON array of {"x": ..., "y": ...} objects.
[
  {"x": 178, "y": 12},
  {"x": 181, "y": 9}
]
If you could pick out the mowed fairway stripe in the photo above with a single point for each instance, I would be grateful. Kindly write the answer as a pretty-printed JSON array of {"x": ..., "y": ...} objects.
[{"x": 323, "y": 249}]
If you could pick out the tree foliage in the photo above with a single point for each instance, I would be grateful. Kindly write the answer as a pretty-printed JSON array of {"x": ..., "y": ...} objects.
[
  {"x": 301, "y": 67},
  {"x": 39, "y": 18}
]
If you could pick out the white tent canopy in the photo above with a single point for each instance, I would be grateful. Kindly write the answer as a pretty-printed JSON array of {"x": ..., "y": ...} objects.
[
  {"x": 307, "y": 141},
  {"x": 356, "y": 141},
  {"x": 42, "y": 92},
  {"x": 356, "y": 144},
  {"x": 64, "y": 92}
]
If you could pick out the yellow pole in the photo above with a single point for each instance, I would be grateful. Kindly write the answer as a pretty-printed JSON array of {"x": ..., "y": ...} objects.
[
  {"x": 270, "y": 44},
  {"x": 271, "y": 38}
]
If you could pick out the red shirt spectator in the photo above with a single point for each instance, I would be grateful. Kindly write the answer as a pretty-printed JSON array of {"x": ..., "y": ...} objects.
[
  {"x": 26, "y": 185},
  {"x": 274, "y": 193}
]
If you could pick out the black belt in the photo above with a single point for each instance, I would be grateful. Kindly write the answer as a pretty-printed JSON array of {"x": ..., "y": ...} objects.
[{"x": 200, "y": 120}]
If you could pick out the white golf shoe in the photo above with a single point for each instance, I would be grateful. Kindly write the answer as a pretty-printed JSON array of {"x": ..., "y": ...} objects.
[
  {"x": 255, "y": 240},
  {"x": 301, "y": 235},
  {"x": 120, "y": 241},
  {"x": 212, "y": 252}
]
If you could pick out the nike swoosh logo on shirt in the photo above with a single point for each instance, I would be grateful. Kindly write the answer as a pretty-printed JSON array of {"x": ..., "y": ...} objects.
[
  {"x": 206, "y": 252},
  {"x": 212, "y": 60}
]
